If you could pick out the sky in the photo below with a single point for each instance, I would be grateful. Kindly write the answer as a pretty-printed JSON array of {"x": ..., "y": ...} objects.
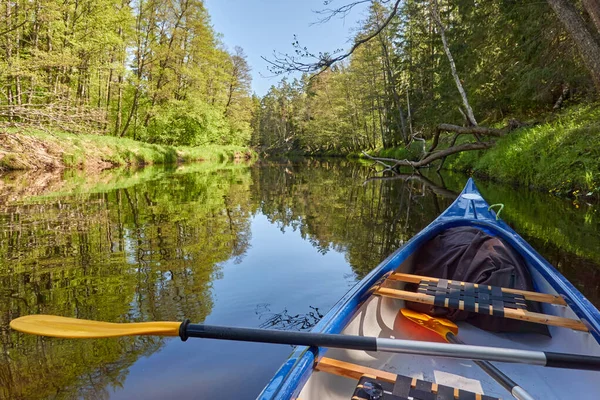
[{"x": 262, "y": 26}]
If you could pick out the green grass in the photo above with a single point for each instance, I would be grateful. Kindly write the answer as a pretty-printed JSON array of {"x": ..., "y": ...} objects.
[
  {"x": 76, "y": 151},
  {"x": 561, "y": 156}
]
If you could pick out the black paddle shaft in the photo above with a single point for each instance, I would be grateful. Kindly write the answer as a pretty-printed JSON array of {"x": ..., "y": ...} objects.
[
  {"x": 278, "y": 337},
  {"x": 556, "y": 360}
]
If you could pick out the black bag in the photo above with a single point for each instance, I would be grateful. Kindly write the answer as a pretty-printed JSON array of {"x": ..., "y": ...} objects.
[{"x": 470, "y": 255}]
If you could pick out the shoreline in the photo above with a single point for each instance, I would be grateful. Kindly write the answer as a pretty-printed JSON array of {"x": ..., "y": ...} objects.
[
  {"x": 37, "y": 149},
  {"x": 560, "y": 156}
]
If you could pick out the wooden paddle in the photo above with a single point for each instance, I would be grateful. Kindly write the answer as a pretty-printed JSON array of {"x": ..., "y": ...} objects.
[
  {"x": 448, "y": 330},
  {"x": 63, "y": 327}
]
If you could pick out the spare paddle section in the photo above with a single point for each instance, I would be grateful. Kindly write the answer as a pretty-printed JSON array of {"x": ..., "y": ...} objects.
[
  {"x": 375, "y": 384},
  {"x": 483, "y": 299},
  {"x": 448, "y": 330}
]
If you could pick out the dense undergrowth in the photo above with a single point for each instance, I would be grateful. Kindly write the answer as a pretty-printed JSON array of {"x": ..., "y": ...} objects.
[
  {"x": 44, "y": 149},
  {"x": 561, "y": 155}
]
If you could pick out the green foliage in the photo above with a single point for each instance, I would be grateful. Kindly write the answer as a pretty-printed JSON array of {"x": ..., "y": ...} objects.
[
  {"x": 410, "y": 152},
  {"x": 9, "y": 162},
  {"x": 151, "y": 70},
  {"x": 188, "y": 123}
]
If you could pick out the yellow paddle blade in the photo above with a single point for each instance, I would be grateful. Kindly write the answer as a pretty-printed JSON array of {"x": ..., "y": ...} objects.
[
  {"x": 73, "y": 328},
  {"x": 441, "y": 326}
]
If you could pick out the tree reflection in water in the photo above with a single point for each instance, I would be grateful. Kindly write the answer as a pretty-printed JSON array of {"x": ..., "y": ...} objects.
[{"x": 148, "y": 245}]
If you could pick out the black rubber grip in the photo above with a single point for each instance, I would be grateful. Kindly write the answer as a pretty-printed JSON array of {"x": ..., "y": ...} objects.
[
  {"x": 279, "y": 337},
  {"x": 572, "y": 361},
  {"x": 183, "y": 330}
]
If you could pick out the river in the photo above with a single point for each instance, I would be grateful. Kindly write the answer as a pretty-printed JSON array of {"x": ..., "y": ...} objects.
[{"x": 274, "y": 244}]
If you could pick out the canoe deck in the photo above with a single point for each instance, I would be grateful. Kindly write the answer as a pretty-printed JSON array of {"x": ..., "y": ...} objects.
[{"x": 380, "y": 317}]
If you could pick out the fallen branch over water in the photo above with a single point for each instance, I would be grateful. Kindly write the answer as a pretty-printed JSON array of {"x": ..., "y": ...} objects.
[
  {"x": 430, "y": 156},
  {"x": 474, "y": 130}
]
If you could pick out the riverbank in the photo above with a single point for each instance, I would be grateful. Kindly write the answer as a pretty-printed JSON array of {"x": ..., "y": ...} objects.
[
  {"x": 560, "y": 155},
  {"x": 31, "y": 186},
  {"x": 36, "y": 149}
]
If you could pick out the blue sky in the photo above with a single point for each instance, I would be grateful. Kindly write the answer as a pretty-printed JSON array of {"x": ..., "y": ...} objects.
[{"x": 261, "y": 26}]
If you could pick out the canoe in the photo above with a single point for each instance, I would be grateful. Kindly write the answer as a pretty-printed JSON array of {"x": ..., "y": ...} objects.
[{"x": 320, "y": 373}]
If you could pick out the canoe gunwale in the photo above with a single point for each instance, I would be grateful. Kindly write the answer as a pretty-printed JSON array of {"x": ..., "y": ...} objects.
[{"x": 295, "y": 372}]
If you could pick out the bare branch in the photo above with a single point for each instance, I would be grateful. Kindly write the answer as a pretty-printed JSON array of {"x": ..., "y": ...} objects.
[
  {"x": 341, "y": 12},
  {"x": 283, "y": 63},
  {"x": 13, "y": 28},
  {"x": 381, "y": 160},
  {"x": 469, "y": 130}
]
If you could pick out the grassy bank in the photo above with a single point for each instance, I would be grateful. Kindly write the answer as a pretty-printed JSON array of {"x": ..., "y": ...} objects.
[
  {"x": 561, "y": 155},
  {"x": 40, "y": 149}
]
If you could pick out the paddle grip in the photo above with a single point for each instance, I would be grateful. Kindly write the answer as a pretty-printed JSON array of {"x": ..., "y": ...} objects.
[
  {"x": 572, "y": 361},
  {"x": 277, "y": 337}
]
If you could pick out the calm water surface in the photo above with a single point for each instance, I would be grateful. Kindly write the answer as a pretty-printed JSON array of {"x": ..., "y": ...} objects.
[{"x": 275, "y": 244}]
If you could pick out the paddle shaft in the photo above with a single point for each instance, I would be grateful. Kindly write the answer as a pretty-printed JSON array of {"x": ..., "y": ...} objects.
[
  {"x": 513, "y": 387},
  {"x": 461, "y": 351}
]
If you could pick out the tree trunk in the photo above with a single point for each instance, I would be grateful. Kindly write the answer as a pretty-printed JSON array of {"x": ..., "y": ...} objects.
[
  {"x": 583, "y": 38},
  {"x": 436, "y": 16},
  {"x": 593, "y": 9},
  {"x": 391, "y": 83},
  {"x": 119, "y": 120},
  {"x": 409, "y": 115}
]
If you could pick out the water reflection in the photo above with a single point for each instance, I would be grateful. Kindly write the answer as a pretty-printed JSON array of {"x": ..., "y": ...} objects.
[
  {"x": 145, "y": 252},
  {"x": 217, "y": 243}
]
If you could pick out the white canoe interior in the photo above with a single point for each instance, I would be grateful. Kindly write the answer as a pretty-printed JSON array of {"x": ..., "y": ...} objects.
[{"x": 378, "y": 317}]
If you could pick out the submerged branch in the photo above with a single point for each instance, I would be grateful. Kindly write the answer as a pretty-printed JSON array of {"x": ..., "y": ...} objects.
[
  {"x": 382, "y": 161},
  {"x": 437, "y": 189}
]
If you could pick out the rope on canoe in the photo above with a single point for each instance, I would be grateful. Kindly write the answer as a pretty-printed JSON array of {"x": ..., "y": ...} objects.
[{"x": 501, "y": 207}]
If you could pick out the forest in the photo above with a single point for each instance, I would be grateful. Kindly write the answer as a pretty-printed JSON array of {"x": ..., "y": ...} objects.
[
  {"x": 509, "y": 59},
  {"x": 150, "y": 70},
  {"x": 423, "y": 80}
]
